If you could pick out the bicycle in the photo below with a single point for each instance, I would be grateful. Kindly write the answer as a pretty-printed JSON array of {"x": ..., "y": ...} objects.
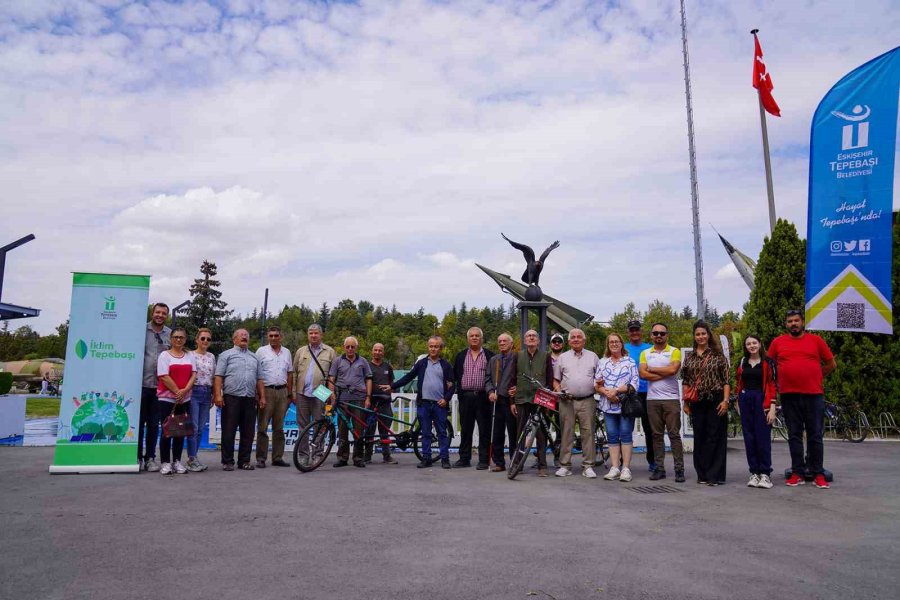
[
  {"x": 849, "y": 423},
  {"x": 778, "y": 426},
  {"x": 546, "y": 400},
  {"x": 601, "y": 442},
  {"x": 321, "y": 434}
]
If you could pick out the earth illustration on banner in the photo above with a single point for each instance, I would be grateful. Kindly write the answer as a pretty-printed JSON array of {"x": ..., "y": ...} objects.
[{"x": 100, "y": 417}]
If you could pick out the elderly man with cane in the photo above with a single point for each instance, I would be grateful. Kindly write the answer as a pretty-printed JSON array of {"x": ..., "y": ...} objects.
[{"x": 499, "y": 378}]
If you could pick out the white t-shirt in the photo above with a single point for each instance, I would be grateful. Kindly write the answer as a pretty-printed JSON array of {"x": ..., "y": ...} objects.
[{"x": 178, "y": 368}]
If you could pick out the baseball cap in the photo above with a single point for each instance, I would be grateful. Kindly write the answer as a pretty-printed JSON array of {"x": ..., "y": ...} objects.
[
  {"x": 634, "y": 324},
  {"x": 556, "y": 337}
]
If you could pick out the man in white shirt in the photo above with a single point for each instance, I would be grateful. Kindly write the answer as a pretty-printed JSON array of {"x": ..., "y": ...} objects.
[
  {"x": 278, "y": 381},
  {"x": 574, "y": 373}
]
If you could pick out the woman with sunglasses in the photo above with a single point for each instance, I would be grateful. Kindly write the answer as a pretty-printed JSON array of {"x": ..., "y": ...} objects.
[
  {"x": 615, "y": 373},
  {"x": 706, "y": 369},
  {"x": 201, "y": 395},
  {"x": 176, "y": 371},
  {"x": 756, "y": 389}
]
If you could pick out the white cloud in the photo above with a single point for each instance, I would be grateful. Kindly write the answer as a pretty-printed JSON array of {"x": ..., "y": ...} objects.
[
  {"x": 376, "y": 150},
  {"x": 729, "y": 271}
]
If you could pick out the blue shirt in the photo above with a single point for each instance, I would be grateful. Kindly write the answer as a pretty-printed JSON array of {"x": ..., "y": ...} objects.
[
  {"x": 239, "y": 369},
  {"x": 634, "y": 351},
  {"x": 433, "y": 386}
]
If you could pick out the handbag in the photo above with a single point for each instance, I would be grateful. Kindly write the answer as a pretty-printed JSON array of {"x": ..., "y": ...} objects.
[
  {"x": 690, "y": 393},
  {"x": 178, "y": 426},
  {"x": 630, "y": 404}
]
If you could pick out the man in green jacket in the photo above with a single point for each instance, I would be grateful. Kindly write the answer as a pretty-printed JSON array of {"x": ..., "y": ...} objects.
[{"x": 536, "y": 364}]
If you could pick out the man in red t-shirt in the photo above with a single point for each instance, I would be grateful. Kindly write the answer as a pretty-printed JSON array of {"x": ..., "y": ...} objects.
[{"x": 803, "y": 359}]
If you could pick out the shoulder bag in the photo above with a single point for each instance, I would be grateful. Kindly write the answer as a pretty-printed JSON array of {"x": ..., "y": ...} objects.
[
  {"x": 690, "y": 393},
  {"x": 631, "y": 404},
  {"x": 178, "y": 426}
]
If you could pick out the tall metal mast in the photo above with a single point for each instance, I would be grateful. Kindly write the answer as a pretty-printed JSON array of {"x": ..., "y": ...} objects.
[{"x": 695, "y": 190}]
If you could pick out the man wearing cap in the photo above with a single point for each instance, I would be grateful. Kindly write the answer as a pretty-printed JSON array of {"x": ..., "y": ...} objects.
[
  {"x": 557, "y": 345},
  {"x": 635, "y": 346}
]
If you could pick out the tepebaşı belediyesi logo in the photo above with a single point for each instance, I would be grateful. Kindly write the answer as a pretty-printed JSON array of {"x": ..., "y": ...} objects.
[
  {"x": 109, "y": 308},
  {"x": 100, "y": 350},
  {"x": 854, "y": 136}
]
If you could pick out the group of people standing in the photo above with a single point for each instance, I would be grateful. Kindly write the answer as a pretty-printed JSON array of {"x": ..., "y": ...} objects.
[{"x": 495, "y": 394}]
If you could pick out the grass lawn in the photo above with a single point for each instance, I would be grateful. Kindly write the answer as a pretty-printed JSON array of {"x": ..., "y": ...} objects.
[{"x": 36, "y": 406}]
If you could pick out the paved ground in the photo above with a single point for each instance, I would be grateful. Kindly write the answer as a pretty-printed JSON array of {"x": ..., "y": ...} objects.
[{"x": 399, "y": 532}]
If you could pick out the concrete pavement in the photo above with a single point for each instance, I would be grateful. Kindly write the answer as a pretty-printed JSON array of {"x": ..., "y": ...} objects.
[{"x": 401, "y": 532}]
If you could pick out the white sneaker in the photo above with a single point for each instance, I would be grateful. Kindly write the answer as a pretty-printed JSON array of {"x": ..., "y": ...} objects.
[
  {"x": 754, "y": 481},
  {"x": 589, "y": 473},
  {"x": 765, "y": 482},
  {"x": 180, "y": 468},
  {"x": 166, "y": 469},
  {"x": 626, "y": 475},
  {"x": 152, "y": 465},
  {"x": 563, "y": 472},
  {"x": 613, "y": 474}
]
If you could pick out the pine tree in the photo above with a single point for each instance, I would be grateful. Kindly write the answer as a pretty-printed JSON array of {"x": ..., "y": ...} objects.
[
  {"x": 207, "y": 309},
  {"x": 778, "y": 283}
]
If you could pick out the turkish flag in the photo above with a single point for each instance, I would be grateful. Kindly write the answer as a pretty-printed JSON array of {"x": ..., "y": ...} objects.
[{"x": 762, "y": 81}]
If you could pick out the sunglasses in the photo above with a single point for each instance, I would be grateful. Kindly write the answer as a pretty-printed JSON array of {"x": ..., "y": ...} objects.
[
  {"x": 205, "y": 339},
  {"x": 159, "y": 340},
  {"x": 349, "y": 347},
  {"x": 659, "y": 333},
  {"x": 556, "y": 341},
  {"x": 178, "y": 337}
]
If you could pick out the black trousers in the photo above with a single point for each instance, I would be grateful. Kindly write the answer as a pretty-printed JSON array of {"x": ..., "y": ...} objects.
[
  {"x": 238, "y": 412},
  {"x": 170, "y": 449},
  {"x": 805, "y": 413},
  {"x": 474, "y": 407},
  {"x": 148, "y": 424},
  {"x": 504, "y": 424},
  {"x": 710, "y": 439},
  {"x": 385, "y": 412},
  {"x": 648, "y": 433}
]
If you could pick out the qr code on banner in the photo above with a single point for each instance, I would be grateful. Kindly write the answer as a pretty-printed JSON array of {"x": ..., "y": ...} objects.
[{"x": 851, "y": 315}]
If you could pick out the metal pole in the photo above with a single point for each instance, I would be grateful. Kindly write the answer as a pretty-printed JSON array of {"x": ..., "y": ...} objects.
[
  {"x": 695, "y": 190},
  {"x": 262, "y": 334},
  {"x": 765, "y": 141}
]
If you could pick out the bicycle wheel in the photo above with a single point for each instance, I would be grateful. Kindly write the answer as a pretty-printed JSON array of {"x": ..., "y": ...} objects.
[
  {"x": 779, "y": 428},
  {"x": 319, "y": 436},
  {"x": 855, "y": 426},
  {"x": 523, "y": 449},
  {"x": 601, "y": 444},
  {"x": 416, "y": 433}
]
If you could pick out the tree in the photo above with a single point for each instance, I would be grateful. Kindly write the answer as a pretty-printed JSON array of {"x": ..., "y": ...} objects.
[
  {"x": 207, "y": 309},
  {"x": 323, "y": 315},
  {"x": 778, "y": 283}
]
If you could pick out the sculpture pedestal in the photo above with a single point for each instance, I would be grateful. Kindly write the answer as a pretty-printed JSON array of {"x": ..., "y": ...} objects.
[{"x": 540, "y": 307}]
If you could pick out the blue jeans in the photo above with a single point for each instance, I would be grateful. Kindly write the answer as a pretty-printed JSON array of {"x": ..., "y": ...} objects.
[
  {"x": 429, "y": 414},
  {"x": 619, "y": 428},
  {"x": 201, "y": 397}
]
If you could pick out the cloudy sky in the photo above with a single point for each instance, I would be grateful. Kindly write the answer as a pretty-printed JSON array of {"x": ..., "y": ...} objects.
[{"x": 377, "y": 149}]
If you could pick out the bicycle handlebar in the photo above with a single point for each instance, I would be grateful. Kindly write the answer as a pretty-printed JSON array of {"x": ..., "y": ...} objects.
[{"x": 562, "y": 395}]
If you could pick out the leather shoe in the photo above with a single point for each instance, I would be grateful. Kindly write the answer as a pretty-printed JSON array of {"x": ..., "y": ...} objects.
[
  {"x": 339, "y": 464},
  {"x": 481, "y": 467},
  {"x": 445, "y": 464},
  {"x": 389, "y": 460},
  {"x": 279, "y": 463},
  {"x": 424, "y": 464},
  {"x": 461, "y": 464},
  {"x": 679, "y": 476},
  {"x": 260, "y": 464},
  {"x": 497, "y": 469},
  {"x": 360, "y": 464},
  {"x": 657, "y": 475}
]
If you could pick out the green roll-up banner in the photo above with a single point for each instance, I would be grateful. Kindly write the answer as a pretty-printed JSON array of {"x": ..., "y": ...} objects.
[{"x": 101, "y": 392}]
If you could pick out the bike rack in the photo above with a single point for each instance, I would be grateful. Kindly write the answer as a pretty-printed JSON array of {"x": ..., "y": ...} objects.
[{"x": 886, "y": 424}]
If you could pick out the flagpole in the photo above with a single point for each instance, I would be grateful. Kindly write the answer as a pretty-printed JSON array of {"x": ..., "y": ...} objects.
[
  {"x": 768, "y": 162},
  {"x": 695, "y": 189}
]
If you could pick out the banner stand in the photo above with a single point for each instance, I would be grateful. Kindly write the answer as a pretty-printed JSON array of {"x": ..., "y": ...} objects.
[{"x": 100, "y": 400}]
